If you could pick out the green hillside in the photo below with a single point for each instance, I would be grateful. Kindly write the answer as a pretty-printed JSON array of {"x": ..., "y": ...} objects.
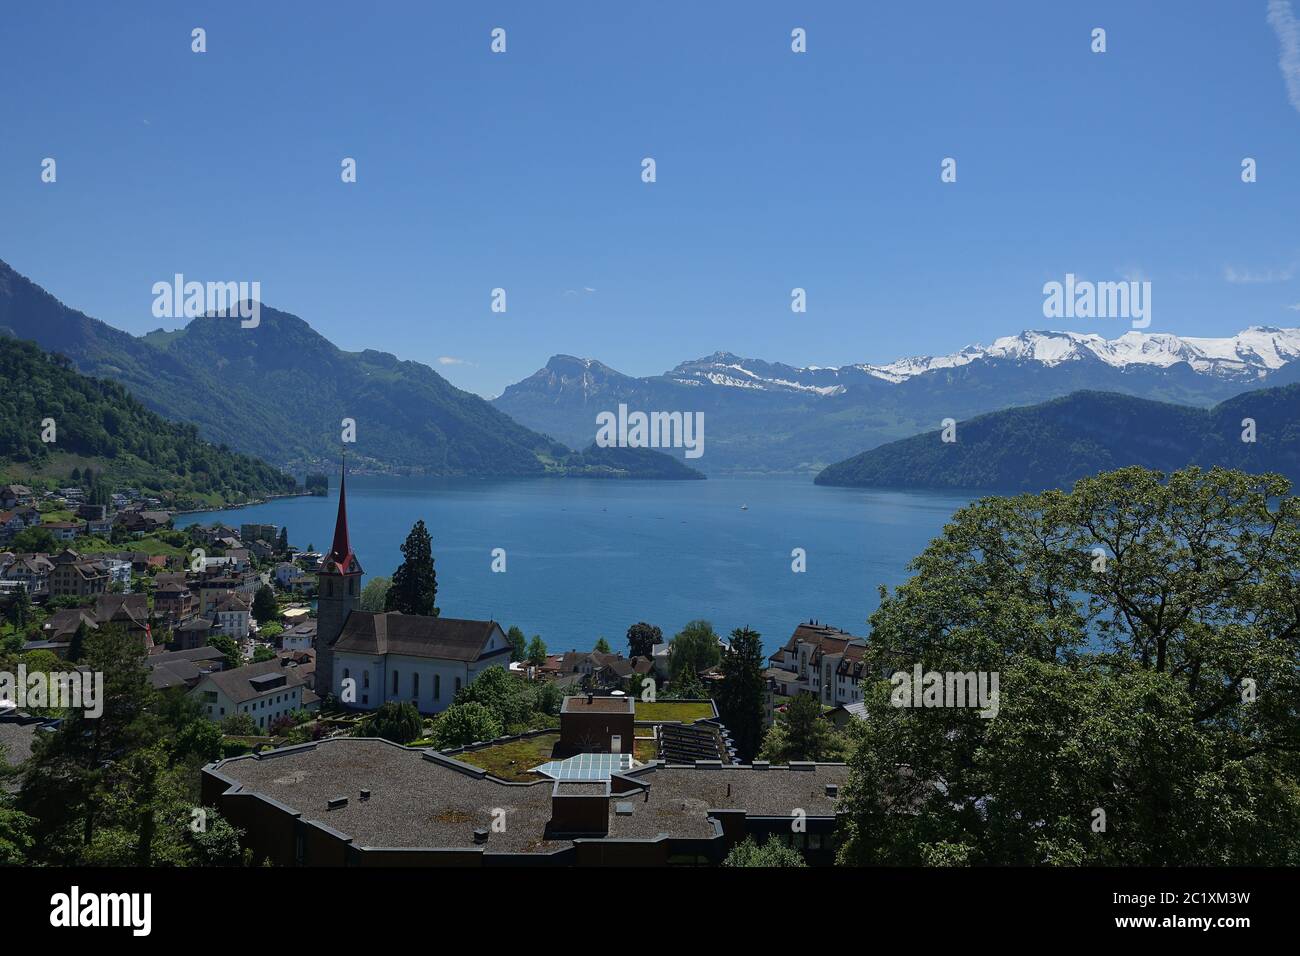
[
  {"x": 100, "y": 425},
  {"x": 1053, "y": 444}
]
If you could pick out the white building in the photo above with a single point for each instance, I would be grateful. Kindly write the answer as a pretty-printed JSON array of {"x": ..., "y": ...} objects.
[
  {"x": 266, "y": 692},
  {"x": 382, "y": 657},
  {"x": 231, "y": 617},
  {"x": 286, "y": 573},
  {"x": 821, "y": 660}
]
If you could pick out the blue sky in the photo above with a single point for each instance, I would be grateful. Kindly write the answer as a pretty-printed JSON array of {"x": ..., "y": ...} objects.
[{"x": 775, "y": 170}]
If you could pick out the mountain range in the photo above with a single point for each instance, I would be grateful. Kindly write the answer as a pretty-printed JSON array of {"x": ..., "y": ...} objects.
[
  {"x": 281, "y": 391},
  {"x": 1053, "y": 444},
  {"x": 766, "y": 417}
]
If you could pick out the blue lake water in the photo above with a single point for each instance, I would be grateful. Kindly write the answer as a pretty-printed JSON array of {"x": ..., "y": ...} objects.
[{"x": 588, "y": 558}]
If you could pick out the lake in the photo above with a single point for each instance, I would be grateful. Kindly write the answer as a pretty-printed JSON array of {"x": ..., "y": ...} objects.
[{"x": 586, "y": 558}]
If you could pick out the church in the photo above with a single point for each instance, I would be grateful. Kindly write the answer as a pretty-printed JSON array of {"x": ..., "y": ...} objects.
[{"x": 364, "y": 658}]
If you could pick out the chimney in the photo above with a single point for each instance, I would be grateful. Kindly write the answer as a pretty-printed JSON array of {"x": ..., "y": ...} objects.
[{"x": 590, "y": 697}]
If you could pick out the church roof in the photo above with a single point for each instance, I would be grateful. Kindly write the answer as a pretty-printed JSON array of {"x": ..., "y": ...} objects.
[{"x": 414, "y": 635}]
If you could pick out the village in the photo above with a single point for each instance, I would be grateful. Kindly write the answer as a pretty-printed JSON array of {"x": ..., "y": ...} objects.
[{"x": 278, "y": 646}]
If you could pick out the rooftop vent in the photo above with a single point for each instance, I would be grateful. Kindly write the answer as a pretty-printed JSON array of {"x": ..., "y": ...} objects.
[
  {"x": 481, "y": 835},
  {"x": 365, "y": 794},
  {"x": 336, "y": 803},
  {"x": 832, "y": 789},
  {"x": 623, "y": 809}
]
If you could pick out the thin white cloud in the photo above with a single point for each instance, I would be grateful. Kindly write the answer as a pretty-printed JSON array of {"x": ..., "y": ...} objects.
[
  {"x": 1294, "y": 308},
  {"x": 452, "y": 360},
  {"x": 1284, "y": 23},
  {"x": 1257, "y": 276}
]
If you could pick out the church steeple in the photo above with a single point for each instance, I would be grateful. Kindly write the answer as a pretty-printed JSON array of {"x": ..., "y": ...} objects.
[
  {"x": 338, "y": 594},
  {"x": 340, "y": 559}
]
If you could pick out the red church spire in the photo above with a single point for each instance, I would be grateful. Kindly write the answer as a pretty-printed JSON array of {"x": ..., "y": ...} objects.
[{"x": 341, "y": 557}]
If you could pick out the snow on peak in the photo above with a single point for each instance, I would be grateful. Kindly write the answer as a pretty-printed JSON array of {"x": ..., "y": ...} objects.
[{"x": 1247, "y": 354}]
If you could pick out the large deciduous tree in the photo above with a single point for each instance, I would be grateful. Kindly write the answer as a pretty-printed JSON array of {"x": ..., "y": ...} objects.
[
  {"x": 641, "y": 639},
  {"x": 1146, "y": 634}
]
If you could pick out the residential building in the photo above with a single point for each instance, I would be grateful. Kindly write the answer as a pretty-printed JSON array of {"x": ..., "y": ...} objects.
[
  {"x": 65, "y": 530},
  {"x": 75, "y": 576},
  {"x": 231, "y": 617},
  {"x": 259, "y": 532},
  {"x": 185, "y": 668},
  {"x": 13, "y": 495},
  {"x": 172, "y": 601},
  {"x": 814, "y": 654},
  {"x": 139, "y": 523},
  {"x": 286, "y": 573},
  {"x": 192, "y": 633},
  {"x": 297, "y": 637},
  {"x": 32, "y": 571},
  {"x": 266, "y": 692}
]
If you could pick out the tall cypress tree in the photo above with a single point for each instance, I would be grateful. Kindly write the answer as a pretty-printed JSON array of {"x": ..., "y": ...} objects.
[
  {"x": 415, "y": 585},
  {"x": 740, "y": 696}
]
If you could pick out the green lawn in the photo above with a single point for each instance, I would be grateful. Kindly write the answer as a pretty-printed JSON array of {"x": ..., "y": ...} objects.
[
  {"x": 511, "y": 761},
  {"x": 685, "y": 711},
  {"x": 645, "y": 750}
]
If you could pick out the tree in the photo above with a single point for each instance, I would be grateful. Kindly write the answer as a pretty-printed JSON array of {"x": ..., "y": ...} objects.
[
  {"x": 19, "y": 610},
  {"x": 801, "y": 733},
  {"x": 641, "y": 639},
  {"x": 398, "y": 721},
  {"x": 265, "y": 607},
  {"x": 34, "y": 540},
  {"x": 550, "y": 698},
  {"x": 15, "y": 836},
  {"x": 262, "y": 654},
  {"x": 1144, "y": 630},
  {"x": 282, "y": 542},
  {"x": 742, "y": 691},
  {"x": 233, "y": 657},
  {"x": 415, "y": 584},
  {"x": 375, "y": 593},
  {"x": 602, "y": 646},
  {"x": 772, "y": 853},
  {"x": 694, "y": 649},
  {"x": 537, "y": 651},
  {"x": 77, "y": 646},
  {"x": 240, "y": 725},
  {"x": 72, "y": 772},
  {"x": 503, "y": 693},
  {"x": 685, "y": 686},
  {"x": 518, "y": 645},
  {"x": 462, "y": 724}
]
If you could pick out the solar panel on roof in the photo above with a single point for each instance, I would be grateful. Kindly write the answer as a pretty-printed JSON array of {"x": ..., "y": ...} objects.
[{"x": 586, "y": 767}]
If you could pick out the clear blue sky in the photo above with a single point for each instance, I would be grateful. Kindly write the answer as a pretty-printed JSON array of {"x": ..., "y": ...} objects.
[{"x": 775, "y": 170}]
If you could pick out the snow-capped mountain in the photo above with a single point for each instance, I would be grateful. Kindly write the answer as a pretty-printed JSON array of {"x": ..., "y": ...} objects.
[
  {"x": 773, "y": 417},
  {"x": 1245, "y": 356}
]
